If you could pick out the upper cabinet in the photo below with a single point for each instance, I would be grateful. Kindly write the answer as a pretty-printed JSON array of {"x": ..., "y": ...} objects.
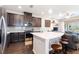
[
  {"x": 27, "y": 17},
  {"x": 47, "y": 23},
  {"x": 36, "y": 22},
  {"x": 18, "y": 20},
  {"x": 10, "y": 19},
  {"x": 21, "y": 20},
  {"x": 14, "y": 19}
]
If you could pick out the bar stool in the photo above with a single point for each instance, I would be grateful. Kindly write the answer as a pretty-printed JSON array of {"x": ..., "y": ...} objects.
[
  {"x": 64, "y": 46},
  {"x": 57, "y": 48},
  {"x": 64, "y": 42}
]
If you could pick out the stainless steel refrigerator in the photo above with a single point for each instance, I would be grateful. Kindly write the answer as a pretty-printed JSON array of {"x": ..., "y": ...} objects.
[{"x": 3, "y": 34}]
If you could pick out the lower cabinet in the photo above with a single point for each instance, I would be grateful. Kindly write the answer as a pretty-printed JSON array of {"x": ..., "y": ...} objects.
[
  {"x": 21, "y": 37},
  {"x": 17, "y": 37}
]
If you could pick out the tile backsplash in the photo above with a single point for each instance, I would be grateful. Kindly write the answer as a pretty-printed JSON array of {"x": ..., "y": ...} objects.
[{"x": 28, "y": 28}]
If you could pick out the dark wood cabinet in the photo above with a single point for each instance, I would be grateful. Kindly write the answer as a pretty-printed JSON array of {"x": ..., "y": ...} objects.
[
  {"x": 21, "y": 36},
  {"x": 21, "y": 20},
  {"x": 27, "y": 17},
  {"x": 14, "y": 20},
  {"x": 10, "y": 19},
  {"x": 18, "y": 20},
  {"x": 47, "y": 23},
  {"x": 36, "y": 22},
  {"x": 13, "y": 37},
  {"x": 17, "y": 37}
]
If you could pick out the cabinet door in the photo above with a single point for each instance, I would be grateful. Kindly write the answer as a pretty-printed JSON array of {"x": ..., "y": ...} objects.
[
  {"x": 21, "y": 19},
  {"x": 27, "y": 17},
  {"x": 21, "y": 36},
  {"x": 47, "y": 23},
  {"x": 36, "y": 22},
  {"x": 33, "y": 22},
  {"x": 16, "y": 20},
  {"x": 10, "y": 19},
  {"x": 14, "y": 37}
]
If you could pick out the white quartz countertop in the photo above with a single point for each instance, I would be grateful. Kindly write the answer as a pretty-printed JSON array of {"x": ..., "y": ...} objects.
[{"x": 48, "y": 35}]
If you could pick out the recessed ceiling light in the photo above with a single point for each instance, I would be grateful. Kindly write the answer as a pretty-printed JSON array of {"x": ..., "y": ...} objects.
[
  {"x": 19, "y": 7},
  {"x": 50, "y": 11},
  {"x": 60, "y": 16}
]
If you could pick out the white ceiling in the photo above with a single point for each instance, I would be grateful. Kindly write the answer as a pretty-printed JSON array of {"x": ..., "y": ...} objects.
[{"x": 58, "y": 11}]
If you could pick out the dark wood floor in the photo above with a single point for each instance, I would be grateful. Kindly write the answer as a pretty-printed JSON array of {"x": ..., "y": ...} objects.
[{"x": 19, "y": 48}]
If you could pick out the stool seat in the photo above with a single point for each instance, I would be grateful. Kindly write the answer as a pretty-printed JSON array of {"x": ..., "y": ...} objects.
[{"x": 56, "y": 48}]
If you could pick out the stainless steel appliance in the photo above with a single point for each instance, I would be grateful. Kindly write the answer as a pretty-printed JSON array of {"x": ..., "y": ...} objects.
[{"x": 3, "y": 34}]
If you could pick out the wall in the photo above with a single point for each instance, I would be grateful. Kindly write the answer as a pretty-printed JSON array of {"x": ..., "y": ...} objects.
[
  {"x": 61, "y": 27},
  {"x": 59, "y": 24}
]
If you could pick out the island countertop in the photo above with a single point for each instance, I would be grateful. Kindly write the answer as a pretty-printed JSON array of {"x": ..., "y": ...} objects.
[
  {"x": 48, "y": 35},
  {"x": 42, "y": 41}
]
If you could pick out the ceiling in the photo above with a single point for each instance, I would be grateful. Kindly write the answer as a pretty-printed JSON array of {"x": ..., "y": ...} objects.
[{"x": 47, "y": 11}]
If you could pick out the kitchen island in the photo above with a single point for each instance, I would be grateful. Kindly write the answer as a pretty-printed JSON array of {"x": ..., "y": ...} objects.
[{"x": 43, "y": 40}]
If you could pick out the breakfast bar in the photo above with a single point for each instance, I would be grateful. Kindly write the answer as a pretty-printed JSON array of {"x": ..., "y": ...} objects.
[{"x": 43, "y": 40}]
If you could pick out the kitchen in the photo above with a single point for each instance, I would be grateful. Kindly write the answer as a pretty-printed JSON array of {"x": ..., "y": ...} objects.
[{"x": 25, "y": 27}]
